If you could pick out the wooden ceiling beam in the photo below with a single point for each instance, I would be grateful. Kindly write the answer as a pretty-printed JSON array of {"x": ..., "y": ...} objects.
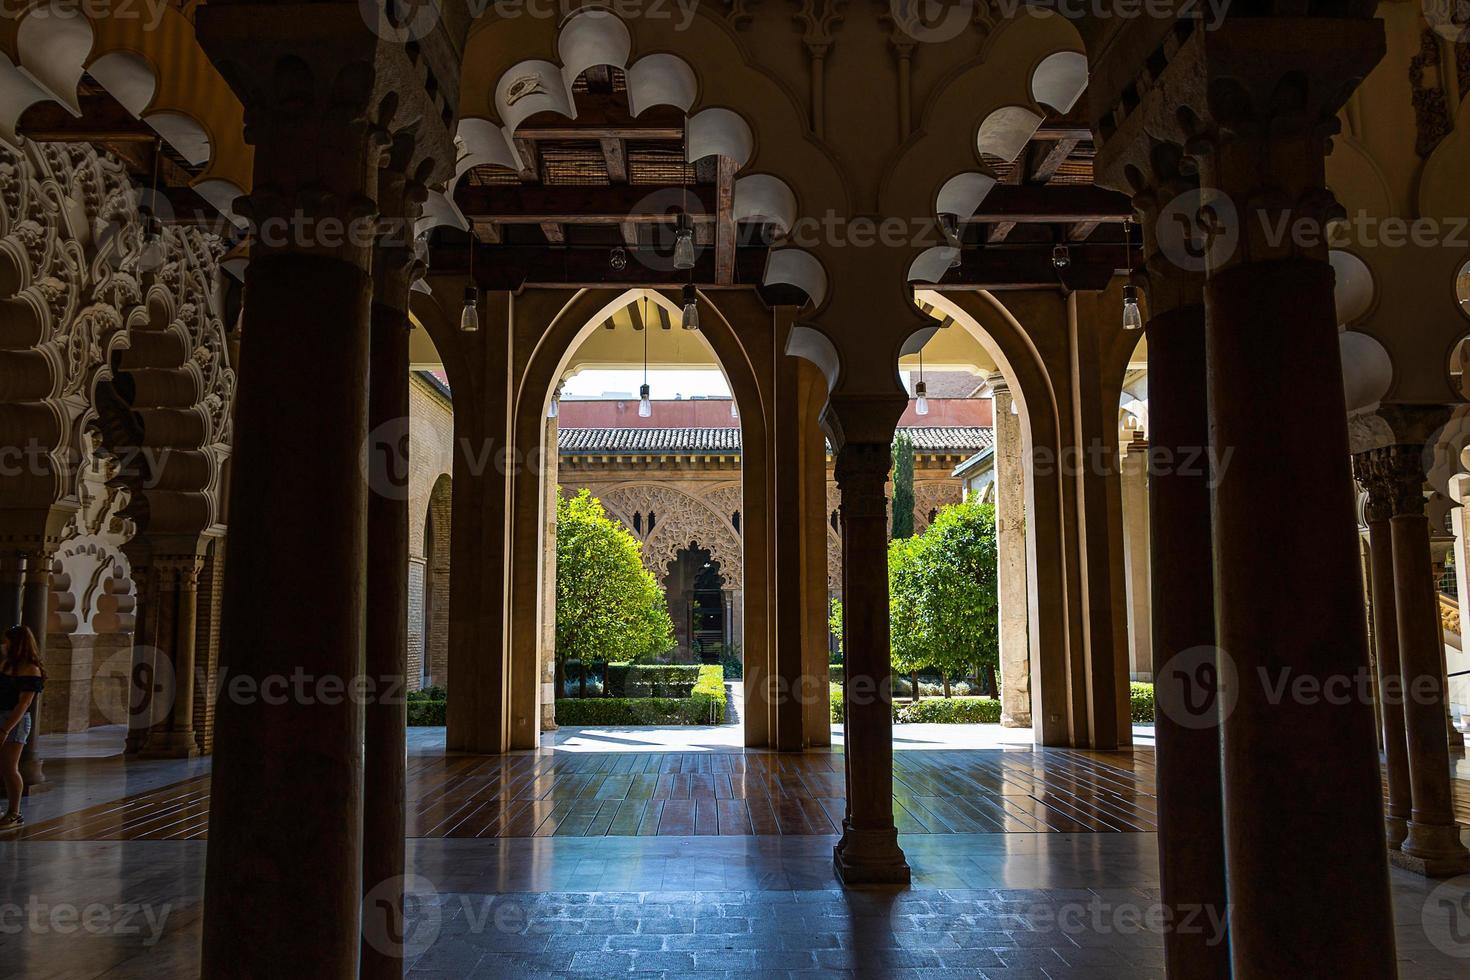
[
  {"x": 530, "y": 160},
  {"x": 1047, "y": 160},
  {"x": 1043, "y": 204},
  {"x": 586, "y": 205},
  {"x": 614, "y": 154},
  {"x": 725, "y": 238}
]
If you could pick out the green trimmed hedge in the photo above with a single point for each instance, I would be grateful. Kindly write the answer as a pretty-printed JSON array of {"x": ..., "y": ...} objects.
[
  {"x": 1141, "y": 702},
  {"x": 705, "y": 705},
  {"x": 626, "y": 680},
  {"x": 948, "y": 711},
  {"x": 435, "y": 693},
  {"x": 423, "y": 713},
  {"x": 944, "y": 711}
]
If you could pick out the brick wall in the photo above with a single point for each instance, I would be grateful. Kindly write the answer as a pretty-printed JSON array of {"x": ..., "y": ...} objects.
[{"x": 415, "y": 623}]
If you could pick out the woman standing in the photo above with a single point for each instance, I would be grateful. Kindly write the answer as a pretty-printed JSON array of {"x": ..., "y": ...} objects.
[{"x": 21, "y": 678}]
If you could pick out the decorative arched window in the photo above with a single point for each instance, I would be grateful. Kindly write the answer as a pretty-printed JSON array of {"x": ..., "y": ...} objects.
[
  {"x": 652, "y": 520},
  {"x": 933, "y": 513},
  {"x": 735, "y": 520},
  {"x": 637, "y": 523},
  {"x": 834, "y": 521}
]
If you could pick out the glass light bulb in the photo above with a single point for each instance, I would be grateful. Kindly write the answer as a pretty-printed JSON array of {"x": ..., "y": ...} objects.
[
  {"x": 921, "y": 402},
  {"x": 645, "y": 407},
  {"x": 734, "y": 409},
  {"x": 151, "y": 257},
  {"x": 553, "y": 411},
  {"x": 1015, "y": 409},
  {"x": 1132, "y": 319},
  {"x": 469, "y": 318},
  {"x": 691, "y": 309},
  {"x": 684, "y": 248}
]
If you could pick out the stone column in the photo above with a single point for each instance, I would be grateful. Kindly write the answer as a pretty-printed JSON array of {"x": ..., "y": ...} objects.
[
  {"x": 1432, "y": 846},
  {"x": 35, "y": 608},
  {"x": 325, "y": 98},
  {"x": 171, "y": 735},
  {"x": 787, "y": 586},
  {"x": 1182, "y": 617},
  {"x": 1290, "y": 601},
  {"x": 142, "y": 675},
  {"x": 1386, "y": 647},
  {"x": 12, "y": 585},
  {"x": 1010, "y": 546},
  {"x": 868, "y": 852},
  {"x": 386, "y": 654},
  {"x": 551, "y": 460},
  {"x": 1134, "y": 482}
]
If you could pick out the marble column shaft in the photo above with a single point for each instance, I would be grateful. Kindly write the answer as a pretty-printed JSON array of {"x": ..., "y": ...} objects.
[
  {"x": 1010, "y": 546},
  {"x": 868, "y": 852}
]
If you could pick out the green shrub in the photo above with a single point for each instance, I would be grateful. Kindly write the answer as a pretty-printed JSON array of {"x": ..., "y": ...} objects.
[
  {"x": 625, "y": 680},
  {"x": 435, "y": 693},
  {"x": 733, "y": 661},
  {"x": 705, "y": 705},
  {"x": 1141, "y": 702},
  {"x": 834, "y": 673},
  {"x": 423, "y": 713},
  {"x": 834, "y": 695},
  {"x": 948, "y": 711}
]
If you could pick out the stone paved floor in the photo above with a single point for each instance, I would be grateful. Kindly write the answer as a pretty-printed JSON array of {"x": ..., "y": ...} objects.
[
  {"x": 1016, "y": 905},
  {"x": 1042, "y": 906}
]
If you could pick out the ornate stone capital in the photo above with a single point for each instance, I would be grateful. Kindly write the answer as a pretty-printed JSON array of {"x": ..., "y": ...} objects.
[
  {"x": 328, "y": 99},
  {"x": 1379, "y": 505},
  {"x": 1253, "y": 103},
  {"x": 1396, "y": 476},
  {"x": 861, "y": 471}
]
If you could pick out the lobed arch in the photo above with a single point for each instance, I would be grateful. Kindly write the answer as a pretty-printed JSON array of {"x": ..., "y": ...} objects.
[
  {"x": 734, "y": 109},
  {"x": 1053, "y": 583},
  {"x": 155, "y": 70}
]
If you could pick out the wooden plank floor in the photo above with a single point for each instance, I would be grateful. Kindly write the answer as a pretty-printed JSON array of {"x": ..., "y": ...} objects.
[{"x": 685, "y": 793}]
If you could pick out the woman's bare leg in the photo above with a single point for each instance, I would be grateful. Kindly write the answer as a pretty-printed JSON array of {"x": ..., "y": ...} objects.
[{"x": 10, "y": 769}]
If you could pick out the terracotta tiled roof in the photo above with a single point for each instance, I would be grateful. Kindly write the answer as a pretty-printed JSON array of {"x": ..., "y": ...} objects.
[{"x": 961, "y": 439}]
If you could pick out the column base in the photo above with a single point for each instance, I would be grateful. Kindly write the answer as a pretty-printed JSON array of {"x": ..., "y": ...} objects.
[
  {"x": 1396, "y": 829},
  {"x": 170, "y": 745},
  {"x": 1432, "y": 850},
  {"x": 1015, "y": 721},
  {"x": 870, "y": 857},
  {"x": 33, "y": 775},
  {"x": 1447, "y": 866}
]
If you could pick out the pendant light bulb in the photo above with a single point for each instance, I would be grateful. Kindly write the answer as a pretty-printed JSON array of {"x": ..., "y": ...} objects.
[
  {"x": 734, "y": 408},
  {"x": 684, "y": 244},
  {"x": 152, "y": 254},
  {"x": 1132, "y": 319},
  {"x": 645, "y": 407},
  {"x": 1015, "y": 409},
  {"x": 691, "y": 309},
  {"x": 554, "y": 411},
  {"x": 469, "y": 317},
  {"x": 921, "y": 399}
]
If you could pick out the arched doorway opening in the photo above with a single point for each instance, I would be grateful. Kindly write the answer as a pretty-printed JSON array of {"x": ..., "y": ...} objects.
[
  {"x": 668, "y": 465},
  {"x": 433, "y": 605},
  {"x": 699, "y": 604}
]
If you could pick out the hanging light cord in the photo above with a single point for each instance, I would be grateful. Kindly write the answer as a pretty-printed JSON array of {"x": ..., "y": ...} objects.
[{"x": 645, "y": 340}]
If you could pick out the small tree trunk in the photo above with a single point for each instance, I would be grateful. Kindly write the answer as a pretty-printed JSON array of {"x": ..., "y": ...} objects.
[
  {"x": 560, "y": 679},
  {"x": 581, "y": 678},
  {"x": 991, "y": 688},
  {"x": 945, "y": 678},
  {"x": 914, "y": 688}
]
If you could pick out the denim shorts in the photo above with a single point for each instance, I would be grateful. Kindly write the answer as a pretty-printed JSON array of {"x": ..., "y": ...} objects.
[{"x": 21, "y": 733}]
